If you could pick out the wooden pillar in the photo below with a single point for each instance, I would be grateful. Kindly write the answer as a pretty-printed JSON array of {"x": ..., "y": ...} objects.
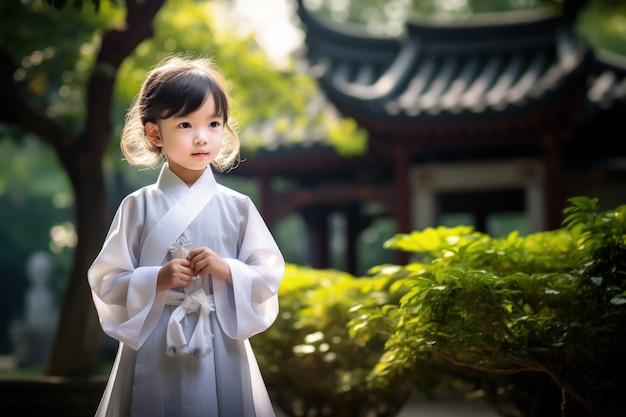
[
  {"x": 353, "y": 221},
  {"x": 402, "y": 193},
  {"x": 316, "y": 221},
  {"x": 553, "y": 182}
]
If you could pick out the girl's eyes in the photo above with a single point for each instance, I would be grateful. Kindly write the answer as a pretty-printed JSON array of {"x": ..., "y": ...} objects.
[{"x": 187, "y": 125}]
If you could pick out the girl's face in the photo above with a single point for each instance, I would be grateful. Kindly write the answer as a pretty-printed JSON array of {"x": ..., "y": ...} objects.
[{"x": 190, "y": 142}]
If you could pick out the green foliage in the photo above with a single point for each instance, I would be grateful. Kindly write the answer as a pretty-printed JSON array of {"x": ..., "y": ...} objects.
[
  {"x": 603, "y": 24},
  {"x": 550, "y": 302},
  {"x": 54, "y": 49},
  {"x": 310, "y": 363}
]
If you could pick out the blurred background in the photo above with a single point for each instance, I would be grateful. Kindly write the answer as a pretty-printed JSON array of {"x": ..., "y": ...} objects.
[{"x": 359, "y": 120}]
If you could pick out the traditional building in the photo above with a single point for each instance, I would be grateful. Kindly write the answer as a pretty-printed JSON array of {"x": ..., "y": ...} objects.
[{"x": 496, "y": 117}]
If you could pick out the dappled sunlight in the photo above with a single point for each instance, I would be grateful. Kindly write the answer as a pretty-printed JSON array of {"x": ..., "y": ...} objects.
[{"x": 62, "y": 236}]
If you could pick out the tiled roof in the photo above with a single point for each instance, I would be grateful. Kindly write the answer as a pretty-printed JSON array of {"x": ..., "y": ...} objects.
[
  {"x": 485, "y": 64},
  {"x": 497, "y": 84}
]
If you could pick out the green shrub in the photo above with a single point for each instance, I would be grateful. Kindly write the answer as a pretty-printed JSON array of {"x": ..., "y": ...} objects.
[
  {"x": 550, "y": 303},
  {"x": 535, "y": 322},
  {"x": 310, "y": 364}
]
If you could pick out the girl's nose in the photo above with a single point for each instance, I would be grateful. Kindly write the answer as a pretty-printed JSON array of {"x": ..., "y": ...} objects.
[{"x": 200, "y": 139}]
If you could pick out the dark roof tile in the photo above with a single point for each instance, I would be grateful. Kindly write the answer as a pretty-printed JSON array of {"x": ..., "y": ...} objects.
[{"x": 494, "y": 63}]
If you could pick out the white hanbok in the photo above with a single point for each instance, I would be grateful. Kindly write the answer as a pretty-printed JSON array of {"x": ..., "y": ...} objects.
[{"x": 185, "y": 352}]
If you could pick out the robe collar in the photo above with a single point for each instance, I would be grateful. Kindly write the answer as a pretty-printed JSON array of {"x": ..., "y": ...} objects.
[
  {"x": 188, "y": 203},
  {"x": 171, "y": 184}
]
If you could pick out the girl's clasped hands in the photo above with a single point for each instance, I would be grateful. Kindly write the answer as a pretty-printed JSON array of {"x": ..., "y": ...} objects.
[{"x": 200, "y": 261}]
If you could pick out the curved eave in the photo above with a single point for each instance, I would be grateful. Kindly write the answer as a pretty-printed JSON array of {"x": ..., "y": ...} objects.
[
  {"x": 456, "y": 88},
  {"x": 490, "y": 64},
  {"x": 428, "y": 86}
]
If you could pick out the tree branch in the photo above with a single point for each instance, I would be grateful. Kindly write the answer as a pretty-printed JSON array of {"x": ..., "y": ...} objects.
[{"x": 117, "y": 45}]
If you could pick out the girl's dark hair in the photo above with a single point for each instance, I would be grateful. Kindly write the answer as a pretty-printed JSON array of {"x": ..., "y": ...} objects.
[{"x": 176, "y": 87}]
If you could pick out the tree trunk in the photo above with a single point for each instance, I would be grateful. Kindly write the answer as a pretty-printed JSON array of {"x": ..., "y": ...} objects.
[
  {"x": 78, "y": 334},
  {"x": 77, "y": 339}
]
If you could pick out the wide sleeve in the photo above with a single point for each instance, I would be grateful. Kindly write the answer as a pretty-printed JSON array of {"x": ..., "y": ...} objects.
[
  {"x": 251, "y": 305},
  {"x": 124, "y": 293}
]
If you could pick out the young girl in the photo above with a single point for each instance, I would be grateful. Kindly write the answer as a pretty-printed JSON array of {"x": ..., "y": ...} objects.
[{"x": 189, "y": 270}]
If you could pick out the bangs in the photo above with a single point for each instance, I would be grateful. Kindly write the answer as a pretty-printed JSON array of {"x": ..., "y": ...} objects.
[{"x": 187, "y": 92}]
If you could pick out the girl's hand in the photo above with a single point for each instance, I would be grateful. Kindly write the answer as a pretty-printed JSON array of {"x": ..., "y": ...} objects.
[
  {"x": 175, "y": 273},
  {"x": 203, "y": 261}
]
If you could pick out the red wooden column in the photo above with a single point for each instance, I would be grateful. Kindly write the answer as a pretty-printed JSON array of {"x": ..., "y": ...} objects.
[{"x": 402, "y": 193}]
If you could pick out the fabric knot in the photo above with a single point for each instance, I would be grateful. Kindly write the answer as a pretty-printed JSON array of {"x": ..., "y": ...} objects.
[
  {"x": 200, "y": 299},
  {"x": 199, "y": 344}
]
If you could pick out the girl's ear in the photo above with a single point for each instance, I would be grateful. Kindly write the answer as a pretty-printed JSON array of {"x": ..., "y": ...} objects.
[{"x": 153, "y": 134}]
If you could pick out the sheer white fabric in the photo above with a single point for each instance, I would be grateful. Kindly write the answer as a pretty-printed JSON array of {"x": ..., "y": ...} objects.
[{"x": 221, "y": 378}]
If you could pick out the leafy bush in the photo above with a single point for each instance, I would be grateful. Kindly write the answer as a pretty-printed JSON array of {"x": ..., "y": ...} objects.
[
  {"x": 549, "y": 303},
  {"x": 310, "y": 364},
  {"x": 535, "y": 322}
]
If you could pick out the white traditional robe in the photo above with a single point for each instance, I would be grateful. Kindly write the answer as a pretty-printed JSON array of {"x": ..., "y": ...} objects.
[{"x": 145, "y": 381}]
